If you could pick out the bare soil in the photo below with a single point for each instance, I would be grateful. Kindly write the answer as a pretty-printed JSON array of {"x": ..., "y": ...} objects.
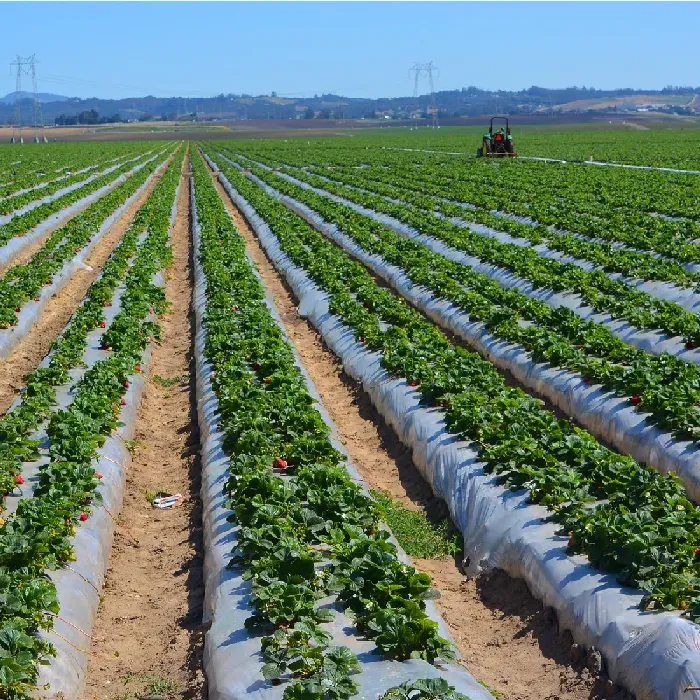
[
  {"x": 31, "y": 350},
  {"x": 148, "y": 625},
  {"x": 507, "y": 639}
]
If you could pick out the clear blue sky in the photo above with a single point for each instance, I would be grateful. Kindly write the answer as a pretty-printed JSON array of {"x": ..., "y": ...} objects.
[{"x": 355, "y": 49}]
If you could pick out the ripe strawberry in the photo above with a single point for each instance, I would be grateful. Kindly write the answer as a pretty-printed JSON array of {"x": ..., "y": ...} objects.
[
  {"x": 267, "y": 380},
  {"x": 125, "y": 383},
  {"x": 234, "y": 309},
  {"x": 83, "y": 517},
  {"x": 571, "y": 541},
  {"x": 696, "y": 550},
  {"x": 587, "y": 380},
  {"x": 103, "y": 324},
  {"x": 17, "y": 309},
  {"x": 362, "y": 338},
  {"x": 98, "y": 475},
  {"x": 19, "y": 479},
  {"x": 636, "y": 400},
  {"x": 413, "y": 383},
  {"x": 138, "y": 368},
  {"x": 280, "y": 463},
  {"x": 122, "y": 401}
]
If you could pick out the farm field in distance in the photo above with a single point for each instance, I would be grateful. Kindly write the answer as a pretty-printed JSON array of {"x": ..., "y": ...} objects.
[{"x": 353, "y": 415}]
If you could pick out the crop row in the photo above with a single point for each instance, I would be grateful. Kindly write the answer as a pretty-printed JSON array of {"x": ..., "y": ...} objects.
[
  {"x": 595, "y": 288},
  {"x": 618, "y": 245},
  {"x": 22, "y": 224},
  {"x": 424, "y": 195},
  {"x": 34, "y": 167},
  {"x": 306, "y": 529},
  {"x": 38, "y": 535},
  {"x": 663, "y": 386},
  {"x": 626, "y": 518},
  {"x": 662, "y": 389},
  {"x": 24, "y": 282},
  {"x": 20, "y": 200},
  {"x": 608, "y": 256}
]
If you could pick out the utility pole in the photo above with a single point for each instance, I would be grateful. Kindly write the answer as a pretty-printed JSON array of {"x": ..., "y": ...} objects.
[
  {"x": 27, "y": 66},
  {"x": 428, "y": 70}
]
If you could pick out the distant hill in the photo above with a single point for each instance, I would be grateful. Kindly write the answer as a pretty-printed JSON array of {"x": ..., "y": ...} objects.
[
  {"x": 43, "y": 97},
  {"x": 464, "y": 102}
]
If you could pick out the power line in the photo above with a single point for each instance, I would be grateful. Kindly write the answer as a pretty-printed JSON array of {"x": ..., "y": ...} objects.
[
  {"x": 27, "y": 66},
  {"x": 427, "y": 70}
]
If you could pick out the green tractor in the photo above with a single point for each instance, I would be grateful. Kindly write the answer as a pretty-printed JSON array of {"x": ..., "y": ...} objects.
[{"x": 497, "y": 144}]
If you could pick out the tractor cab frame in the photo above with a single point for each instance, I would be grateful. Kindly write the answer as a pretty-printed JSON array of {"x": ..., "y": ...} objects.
[{"x": 497, "y": 144}]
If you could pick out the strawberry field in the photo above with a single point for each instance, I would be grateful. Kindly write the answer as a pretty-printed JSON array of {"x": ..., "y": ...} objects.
[{"x": 522, "y": 333}]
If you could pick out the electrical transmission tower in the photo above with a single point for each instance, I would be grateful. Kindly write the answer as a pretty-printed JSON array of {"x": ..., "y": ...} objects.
[
  {"x": 428, "y": 70},
  {"x": 27, "y": 66}
]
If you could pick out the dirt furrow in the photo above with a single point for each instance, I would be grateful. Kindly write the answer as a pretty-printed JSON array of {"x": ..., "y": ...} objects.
[
  {"x": 31, "y": 350},
  {"x": 507, "y": 639},
  {"x": 147, "y": 639}
]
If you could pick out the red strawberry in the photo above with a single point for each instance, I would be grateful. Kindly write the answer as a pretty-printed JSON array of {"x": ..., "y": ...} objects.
[
  {"x": 413, "y": 383},
  {"x": 362, "y": 338},
  {"x": 125, "y": 383},
  {"x": 234, "y": 309},
  {"x": 103, "y": 324},
  {"x": 17, "y": 309},
  {"x": 122, "y": 401},
  {"x": 267, "y": 380},
  {"x": 98, "y": 475},
  {"x": 587, "y": 380},
  {"x": 571, "y": 541},
  {"x": 280, "y": 463},
  {"x": 19, "y": 479},
  {"x": 696, "y": 550},
  {"x": 138, "y": 368},
  {"x": 83, "y": 517},
  {"x": 636, "y": 399}
]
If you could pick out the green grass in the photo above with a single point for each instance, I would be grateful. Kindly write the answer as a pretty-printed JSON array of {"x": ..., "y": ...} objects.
[
  {"x": 419, "y": 536},
  {"x": 146, "y": 684},
  {"x": 167, "y": 383}
]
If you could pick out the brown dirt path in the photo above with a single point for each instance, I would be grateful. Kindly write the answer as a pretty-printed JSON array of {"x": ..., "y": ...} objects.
[
  {"x": 57, "y": 312},
  {"x": 507, "y": 639},
  {"x": 147, "y": 638}
]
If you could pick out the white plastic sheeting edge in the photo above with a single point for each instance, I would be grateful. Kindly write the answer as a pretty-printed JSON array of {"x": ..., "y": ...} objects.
[
  {"x": 608, "y": 416},
  {"x": 232, "y": 659},
  {"x": 655, "y": 655},
  {"x": 79, "y": 586},
  {"x": 30, "y": 312},
  {"x": 16, "y": 245},
  {"x": 652, "y": 341}
]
